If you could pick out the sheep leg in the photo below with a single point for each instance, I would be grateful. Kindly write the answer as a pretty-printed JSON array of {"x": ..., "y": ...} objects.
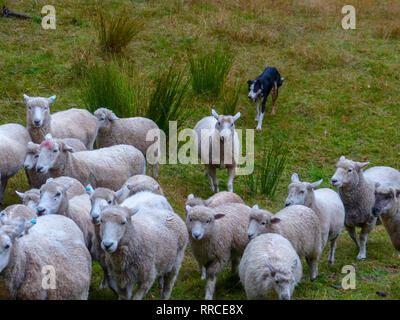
[
  {"x": 365, "y": 230},
  {"x": 125, "y": 293},
  {"x": 143, "y": 288},
  {"x": 312, "y": 263},
  {"x": 231, "y": 177},
  {"x": 169, "y": 281},
  {"x": 332, "y": 249},
  {"x": 210, "y": 287},
  {"x": 155, "y": 170},
  {"x": 235, "y": 262},
  {"x": 353, "y": 234},
  {"x": 161, "y": 285},
  {"x": 274, "y": 95},
  {"x": 4, "y": 181},
  {"x": 212, "y": 175},
  {"x": 203, "y": 273}
]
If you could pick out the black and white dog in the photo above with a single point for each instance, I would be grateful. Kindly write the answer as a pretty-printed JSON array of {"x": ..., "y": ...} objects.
[{"x": 268, "y": 82}]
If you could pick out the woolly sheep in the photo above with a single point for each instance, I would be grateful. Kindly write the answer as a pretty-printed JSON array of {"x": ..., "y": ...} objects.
[
  {"x": 297, "y": 223},
  {"x": 37, "y": 179},
  {"x": 137, "y": 183},
  {"x": 53, "y": 241},
  {"x": 217, "y": 235},
  {"x": 107, "y": 167},
  {"x": 54, "y": 200},
  {"x": 73, "y": 123},
  {"x": 326, "y": 203},
  {"x": 214, "y": 135},
  {"x": 270, "y": 263},
  {"x": 13, "y": 141},
  {"x": 132, "y": 131},
  {"x": 357, "y": 191},
  {"x": 387, "y": 206},
  {"x": 31, "y": 197},
  {"x": 19, "y": 210},
  {"x": 214, "y": 201},
  {"x": 142, "y": 247}
]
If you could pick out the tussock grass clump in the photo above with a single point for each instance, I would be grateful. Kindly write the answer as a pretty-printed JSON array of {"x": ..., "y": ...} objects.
[
  {"x": 389, "y": 31},
  {"x": 115, "y": 31},
  {"x": 230, "y": 98},
  {"x": 106, "y": 86},
  {"x": 166, "y": 100},
  {"x": 209, "y": 69}
]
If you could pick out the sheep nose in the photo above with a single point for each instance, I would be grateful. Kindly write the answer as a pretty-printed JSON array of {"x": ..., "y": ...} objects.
[
  {"x": 250, "y": 236},
  {"x": 375, "y": 211},
  {"x": 36, "y": 122},
  {"x": 333, "y": 181},
  {"x": 40, "y": 210},
  {"x": 107, "y": 244},
  {"x": 287, "y": 204},
  {"x": 95, "y": 218},
  {"x": 222, "y": 139},
  {"x": 196, "y": 235},
  {"x": 39, "y": 169}
]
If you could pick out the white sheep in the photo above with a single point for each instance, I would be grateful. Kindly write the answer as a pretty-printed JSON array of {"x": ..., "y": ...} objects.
[
  {"x": 13, "y": 141},
  {"x": 107, "y": 167},
  {"x": 270, "y": 263},
  {"x": 137, "y": 183},
  {"x": 142, "y": 247},
  {"x": 132, "y": 131},
  {"x": 216, "y": 236},
  {"x": 71, "y": 123},
  {"x": 37, "y": 179},
  {"x": 54, "y": 200},
  {"x": 387, "y": 206},
  {"x": 31, "y": 197},
  {"x": 218, "y": 146},
  {"x": 18, "y": 210},
  {"x": 326, "y": 203},
  {"x": 214, "y": 201},
  {"x": 53, "y": 246},
  {"x": 357, "y": 191},
  {"x": 297, "y": 223}
]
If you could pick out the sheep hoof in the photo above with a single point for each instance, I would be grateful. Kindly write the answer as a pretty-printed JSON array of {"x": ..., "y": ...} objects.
[
  {"x": 258, "y": 129},
  {"x": 361, "y": 257}
]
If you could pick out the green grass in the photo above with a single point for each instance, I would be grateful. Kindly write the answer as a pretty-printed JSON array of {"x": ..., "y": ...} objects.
[{"x": 340, "y": 97}]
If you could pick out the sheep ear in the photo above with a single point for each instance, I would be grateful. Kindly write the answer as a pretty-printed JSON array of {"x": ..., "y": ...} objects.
[
  {"x": 48, "y": 136},
  {"x": 188, "y": 208},
  {"x": 131, "y": 212},
  {"x": 361, "y": 165},
  {"x": 397, "y": 193},
  {"x": 256, "y": 207},
  {"x": 342, "y": 158},
  {"x": 68, "y": 185},
  {"x": 214, "y": 113},
  {"x": 3, "y": 217},
  {"x": 118, "y": 193},
  {"x": 295, "y": 177},
  {"x": 237, "y": 116},
  {"x": 294, "y": 265},
  {"x": 190, "y": 196},
  {"x": 32, "y": 144},
  {"x": 52, "y": 98},
  {"x": 49, "y": 180},
  {"x": 275, "y": 220},
  {"x": 67, "y": 148},
  {"x": 111, "y": 116},
  {"x": 218, "y": 216},
  {"x": 316, "y": 184},
  {"x": 20, "y": 194},
  {"x": 89, "y": 190}
]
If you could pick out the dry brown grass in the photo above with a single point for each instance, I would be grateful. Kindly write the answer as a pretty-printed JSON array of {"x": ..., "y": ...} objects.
[{"x": 389, "y": 31}]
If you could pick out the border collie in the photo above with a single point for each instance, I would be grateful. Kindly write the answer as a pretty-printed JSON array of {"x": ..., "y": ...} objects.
[{"x": 268, "y": 82}]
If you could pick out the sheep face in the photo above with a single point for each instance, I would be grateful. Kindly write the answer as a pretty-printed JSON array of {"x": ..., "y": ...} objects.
[
  {"x": 225, "y": 125},
  {"x": 200, "y": 221},
  {"x": 8, "y": 232},
  {"x": 260, "y": 222},
  {"x": 30, "y": 198},
  {"x": 52, "y": 195},
  {"x": 37, "y": 109},
  {"x": 32, "y": 155},
  {"x": 386, "y": 199},
  {"x": 114, "y": 222},
  {"x": 347, "y": 174},
  {"x": 100, "y": 198},
  {"x": 283, "y": 281},
  {"x": 300, "y": 192},
  {"x": 51, "y": 152},
  {"x": 104, "y": 118}
]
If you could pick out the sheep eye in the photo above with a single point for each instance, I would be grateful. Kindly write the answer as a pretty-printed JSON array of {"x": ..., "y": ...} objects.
[
  {"x": 58, "y": 194},
  {"x": 219, "y": 123},
  {"x": 55, "y": 150},
  {"x": 190, "y": 219},
  {"x": 36, "y": 156},
  {"x": 123, "y": 222},
  {"x": 109, "y": 201},
  {"x": 276, "y": 281},
  {"x": 263, "y": 223},
  {"x": 208, "y": 221},
  {"x": 7, "y": 246},
  {"x": 350, "y": 170}
]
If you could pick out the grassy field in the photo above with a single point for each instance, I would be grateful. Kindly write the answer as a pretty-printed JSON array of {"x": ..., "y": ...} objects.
[{"x": 340, "y": 97}]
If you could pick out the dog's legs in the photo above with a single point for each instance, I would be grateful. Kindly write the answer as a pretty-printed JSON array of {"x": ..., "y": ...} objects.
[
  {"x": 274, "y": 94},
  {"x": 257, "y": 109},
  {"x": 260, "y": 120}
]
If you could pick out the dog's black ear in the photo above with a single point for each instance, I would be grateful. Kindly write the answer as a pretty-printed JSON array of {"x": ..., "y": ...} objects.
[{"x": 249, "y": 82}]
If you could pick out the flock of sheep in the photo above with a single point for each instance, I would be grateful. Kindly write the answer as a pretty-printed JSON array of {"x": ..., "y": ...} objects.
[{"x": 99, "y": 204}]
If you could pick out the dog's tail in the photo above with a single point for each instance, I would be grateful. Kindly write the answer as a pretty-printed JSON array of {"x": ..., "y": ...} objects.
[{"x": 281, "y": 81}]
